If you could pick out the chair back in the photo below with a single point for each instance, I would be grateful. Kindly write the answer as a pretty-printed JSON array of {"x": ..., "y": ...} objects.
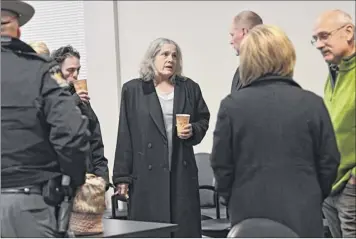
[
  {"x": 206, "y": 177},
  {"x": 261, "y": 228}
]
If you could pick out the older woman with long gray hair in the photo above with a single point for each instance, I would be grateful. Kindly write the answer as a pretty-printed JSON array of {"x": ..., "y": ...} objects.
[
  {"x": 274, "y": 150},
  {"x": 154, "y": 162}
]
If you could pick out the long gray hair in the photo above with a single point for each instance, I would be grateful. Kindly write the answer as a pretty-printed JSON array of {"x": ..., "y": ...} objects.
[{"x": 147, "y": 68}]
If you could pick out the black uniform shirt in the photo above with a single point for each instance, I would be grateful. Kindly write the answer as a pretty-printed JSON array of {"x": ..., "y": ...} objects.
[{"x": 43, "y": 133}]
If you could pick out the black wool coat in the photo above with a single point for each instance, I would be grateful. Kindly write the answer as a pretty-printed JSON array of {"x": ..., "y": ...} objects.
[
  {"x": 275, "y": 155},
  {"x": 156, "y": 192}
]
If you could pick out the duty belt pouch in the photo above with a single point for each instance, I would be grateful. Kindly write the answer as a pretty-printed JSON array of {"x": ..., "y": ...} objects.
[{"x": 52, "y": 191}]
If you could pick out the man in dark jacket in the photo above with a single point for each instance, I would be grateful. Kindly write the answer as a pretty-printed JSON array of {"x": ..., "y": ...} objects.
[
  {"x": 241, "y": 25},
  {"x": 37, "y": 143},
  {"x": 69, "y": 60}
]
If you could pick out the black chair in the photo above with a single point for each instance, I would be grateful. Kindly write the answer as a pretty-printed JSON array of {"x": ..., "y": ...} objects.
[
  {"x": 209, "y": 198},
  {"x": 213, "y": 214},
  {"x": 261, "y": 228}
]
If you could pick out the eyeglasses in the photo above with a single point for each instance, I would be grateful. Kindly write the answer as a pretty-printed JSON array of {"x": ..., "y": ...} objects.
[{"x": 324, "y": 36}]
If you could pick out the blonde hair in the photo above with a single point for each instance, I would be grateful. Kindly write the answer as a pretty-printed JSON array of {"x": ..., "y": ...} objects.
[
  {"x": 40, "y": 47},
  {"x": 266, "y": 50}
]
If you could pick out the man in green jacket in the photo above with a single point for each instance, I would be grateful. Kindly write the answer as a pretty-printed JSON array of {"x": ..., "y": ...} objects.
[{"x": 334, "y": 36}]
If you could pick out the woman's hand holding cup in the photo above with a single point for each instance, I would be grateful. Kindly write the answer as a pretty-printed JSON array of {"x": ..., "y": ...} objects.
[{"x": 184, "y": 128}]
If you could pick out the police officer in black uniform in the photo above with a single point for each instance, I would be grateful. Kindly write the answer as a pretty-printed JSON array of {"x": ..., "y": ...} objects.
[{"x": 43, "y": 134}]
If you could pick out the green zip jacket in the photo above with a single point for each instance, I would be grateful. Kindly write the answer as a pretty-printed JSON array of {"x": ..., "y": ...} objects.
[{"x": 340, "y": 100}]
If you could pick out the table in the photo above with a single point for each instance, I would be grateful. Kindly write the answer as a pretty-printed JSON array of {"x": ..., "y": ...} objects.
[
  {"x": 120, "y": 214},
  {"x": 216, "y": 227},
  {"x": 126, "y": 228}
]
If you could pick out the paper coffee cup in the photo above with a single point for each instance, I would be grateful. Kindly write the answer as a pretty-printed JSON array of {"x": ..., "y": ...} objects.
[
  {"x": 182, "y": 120},
  {"x": 80, "y": 85}
]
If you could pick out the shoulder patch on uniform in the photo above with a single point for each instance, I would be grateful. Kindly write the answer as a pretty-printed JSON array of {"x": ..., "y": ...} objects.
[
  {"x": 43, "y": 57},
  {"x": 34, "y": 55},
  {"x": 56, "y": 75}
]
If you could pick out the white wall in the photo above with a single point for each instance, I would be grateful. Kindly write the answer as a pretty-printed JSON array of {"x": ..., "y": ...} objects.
[
  {"x": 58, "y": 23},
  {"x": 202, "y": 31},
  {"x": 103, "y": 69},
  {"x": 101, "y": 41}
]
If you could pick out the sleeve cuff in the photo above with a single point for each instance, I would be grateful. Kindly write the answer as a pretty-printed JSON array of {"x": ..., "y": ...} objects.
[
  {"x": 119, "y": 180},
  {"x": 192, "y": 139},
  {"x": 353, "y": 172}
]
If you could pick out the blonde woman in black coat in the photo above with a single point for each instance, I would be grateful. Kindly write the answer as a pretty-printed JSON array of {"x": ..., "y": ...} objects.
[{"x": 274, "y": 151}]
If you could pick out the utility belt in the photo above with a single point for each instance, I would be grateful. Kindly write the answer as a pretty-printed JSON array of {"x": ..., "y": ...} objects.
[
  {"x": 52, "y": 191},
  {"x": 23, "y": 190}
]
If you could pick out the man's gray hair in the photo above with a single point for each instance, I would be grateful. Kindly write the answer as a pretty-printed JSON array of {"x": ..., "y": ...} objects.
[
  {"x": 248, "y": 19},
  {"x": 147, "y": 68}
]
